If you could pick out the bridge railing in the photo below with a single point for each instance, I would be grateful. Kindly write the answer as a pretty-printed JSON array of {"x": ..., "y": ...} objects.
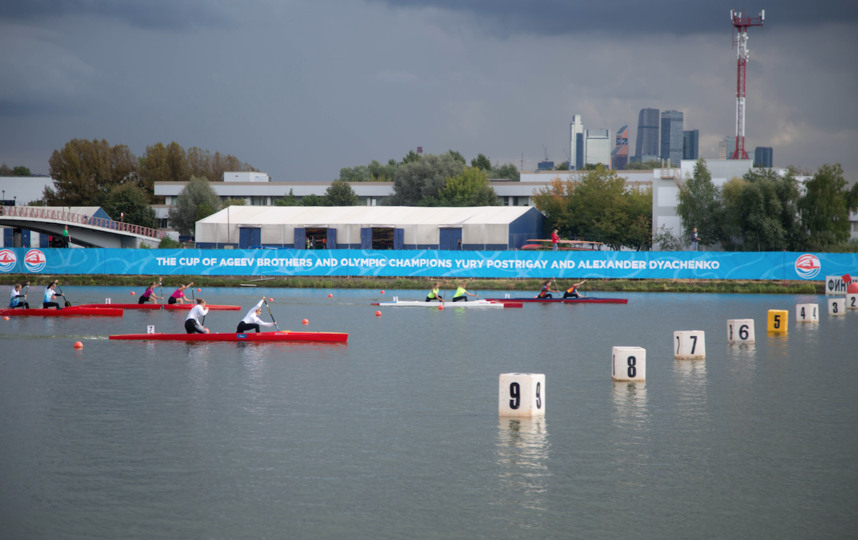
[{"x": 80, "y": 219}]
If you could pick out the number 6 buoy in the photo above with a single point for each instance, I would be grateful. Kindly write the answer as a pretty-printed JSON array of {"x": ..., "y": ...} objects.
[{"x": 740, "y": 331}]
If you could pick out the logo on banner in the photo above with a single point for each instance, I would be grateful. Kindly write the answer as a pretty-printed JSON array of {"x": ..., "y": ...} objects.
[
  {"x": 7, "y": 260},
  {"x": 807, "y": 266},
  {"x": 35, "y": 260}
]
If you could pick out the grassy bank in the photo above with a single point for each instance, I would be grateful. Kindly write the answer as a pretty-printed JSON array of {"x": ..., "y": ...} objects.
[{"x": 612, "y": 285}]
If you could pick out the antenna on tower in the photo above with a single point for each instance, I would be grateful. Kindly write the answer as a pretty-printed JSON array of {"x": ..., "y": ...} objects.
[
  {"x": 546, "y": 152},
  {"x": 741, "y": 23},
  {"x": 522, "y": 162}
]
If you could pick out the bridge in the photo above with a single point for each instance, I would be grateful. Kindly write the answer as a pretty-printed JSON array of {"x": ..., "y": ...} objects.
[{"x": 83, "y": 230}]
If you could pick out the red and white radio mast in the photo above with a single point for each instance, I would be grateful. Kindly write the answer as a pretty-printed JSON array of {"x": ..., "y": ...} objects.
[{"x": 741, "y": 23}]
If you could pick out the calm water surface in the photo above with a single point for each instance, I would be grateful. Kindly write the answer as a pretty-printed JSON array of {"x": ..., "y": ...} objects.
[{"x": 396, "y": 434}]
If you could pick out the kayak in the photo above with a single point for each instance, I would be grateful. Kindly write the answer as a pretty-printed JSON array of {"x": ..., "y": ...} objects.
[
  {"x": 587, "y": 300},
  {"x": 77, "y": 311},
  {"x": 177, "y": 307},
  {"x": 473, "y": 304},
  {"x": 334, "y": 337}
]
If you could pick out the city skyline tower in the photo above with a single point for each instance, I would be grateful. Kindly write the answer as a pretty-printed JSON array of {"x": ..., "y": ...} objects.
[
  {"x": 671, "y": 136},
  {"x": 741, "y": 23},
  {"x": 620, "y": 153},
  {"x": 576, "y": 143},
  {"x": 647, "y": 141}
]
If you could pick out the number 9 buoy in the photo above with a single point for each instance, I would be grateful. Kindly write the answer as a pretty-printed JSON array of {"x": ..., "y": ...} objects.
[{"x": 521, "y": 394}]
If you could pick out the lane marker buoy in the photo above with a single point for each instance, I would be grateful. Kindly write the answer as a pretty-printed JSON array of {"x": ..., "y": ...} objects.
[
  {"x": 521, "y": 394},
  {"x": 378, "y": 314},
  {"x": 305, "y": 321},
  {"x": 330, "y": 296},
  {"x": 78, "y": 345},
  {"x": 382, "y": 292},
  {"x": 133, "y": 293}
]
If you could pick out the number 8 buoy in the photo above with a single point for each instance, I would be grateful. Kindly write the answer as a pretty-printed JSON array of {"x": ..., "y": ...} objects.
[{"x": 628, "y": 364}]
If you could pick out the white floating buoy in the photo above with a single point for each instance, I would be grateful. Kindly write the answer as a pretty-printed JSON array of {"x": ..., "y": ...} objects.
[
  {"x": 521, "y": 394},
  {"x": 807, "y": 313},
  {"x": 740, "y": 331},
  {"x": 628, "y": 364},
  {"x": 836, "y": 306},
  {"x": 689, "y": 344},
  {"x": 150, "y": 329},
  {"x": 852, "y": 301},
  {"x": 107, "y": 300},
  {"x": 506, "y": 295}
]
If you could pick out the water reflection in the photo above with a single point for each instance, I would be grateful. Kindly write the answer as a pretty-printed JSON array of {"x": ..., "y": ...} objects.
[
  {"x": 630, "y": 404},
  {"x": 522, "y": 456}
]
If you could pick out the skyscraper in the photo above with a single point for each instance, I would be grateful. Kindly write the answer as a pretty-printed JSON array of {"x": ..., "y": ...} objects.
[
  {"x": 690, "y": 144},
  {"x": 726, "y": 147},
  {"x": 671, "y": 136},
  {"x": 597, "y": 147},
  {"x": 763, "y": 156},
  {"x": 647, "y": 141},
  {"x": 620, "y": 153},
  {"x": 576, "y": 143}
]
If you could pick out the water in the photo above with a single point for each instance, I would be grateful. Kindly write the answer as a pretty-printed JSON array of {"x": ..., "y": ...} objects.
[{"x": 396, "y": 434}]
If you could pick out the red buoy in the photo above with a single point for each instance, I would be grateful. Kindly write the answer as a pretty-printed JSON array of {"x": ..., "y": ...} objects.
[
  {"x": 441, "y": 307},
  {"x": 133, "y": 293},
  {"x": 378, "y": 314},
  {"x": 305, "y": 321},
  {"x": 270, "y": 299},
  {"x": 5, "y": 318},
  {"x": 852, "y": 287},
  {"x": 78, "y": 345},
  {"x": 198, "y": 290},
  {"x": 382, "y": 292},
  {"x": 330, "y": 296}
]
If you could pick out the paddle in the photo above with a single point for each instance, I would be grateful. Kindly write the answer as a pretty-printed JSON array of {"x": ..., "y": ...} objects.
[
  {"x": 161, "y": 286},
  {"x": 272, "y": 315},
  {"x": 27, "y": 290},
  {"x": 66, "y": 300}
]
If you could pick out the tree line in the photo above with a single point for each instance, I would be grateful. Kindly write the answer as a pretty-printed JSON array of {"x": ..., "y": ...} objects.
[
  {"x": 95, "y": 173},
  {"x": 376, "y": 172},
  {"x": 14, "y": 171},
  {"x": 766, "y": 211}
]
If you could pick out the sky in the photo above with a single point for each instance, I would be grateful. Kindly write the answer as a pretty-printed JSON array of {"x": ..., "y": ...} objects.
[{"x": 300, "y": 89}]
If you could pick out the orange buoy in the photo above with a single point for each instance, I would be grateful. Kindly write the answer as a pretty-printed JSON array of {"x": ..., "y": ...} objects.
[
  {"x": 198, "y": 289},
  {"x": 382, "y": 292},
  {"x": 852, "y": 288},
  {"x": 305, "y": 321},
  {"x": 330, "y": 296},
  {"x": 5, "y": 318},
  {"x": 133, "y": 293},
  {"x": 270, "y": 299},
  {"x": 441, "y": 307},
  {"x": 378, "y": 314},
  {"x": 78, "y": 345}
]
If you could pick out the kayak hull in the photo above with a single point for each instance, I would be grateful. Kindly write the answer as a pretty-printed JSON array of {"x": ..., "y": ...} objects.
[
  {"x": 474, "y": 304},
  {"x": 76, "y": 311},
  {"x": 329, "y": 337},
  {"x": 176, "y": 307},
  {"x": 589, "y": 300}
]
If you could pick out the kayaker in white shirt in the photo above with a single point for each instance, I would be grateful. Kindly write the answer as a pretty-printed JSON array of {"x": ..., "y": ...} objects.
[
  {"x": 251, "y": 321},
  {"x": 194, "y": 322}
]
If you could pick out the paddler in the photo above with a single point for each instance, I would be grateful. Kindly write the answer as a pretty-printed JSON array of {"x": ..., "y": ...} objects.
[
  {"x": 434, "y": 294},
  {"x": 17, "y": 299},
  {"x": 193, "y": 324},
  {"x": 149, "y": 294},
  {"x": 461, "y": 293},
  {"x": 572, "y": 292},
  {"x": 50, "y": 294},
  {"x": 251, "y": 321},
  {"x": 179, "y": 297},
  {"x": 546, "y": 290}
]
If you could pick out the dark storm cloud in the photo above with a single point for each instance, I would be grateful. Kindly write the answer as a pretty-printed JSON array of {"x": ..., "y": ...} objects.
[
  {"x": 680, "y": 17},
  {"x": 155, "y": 14}
]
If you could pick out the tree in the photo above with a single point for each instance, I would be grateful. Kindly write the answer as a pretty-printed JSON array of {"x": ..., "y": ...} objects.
[
  {"x": 458, "y": 157},
  {"x": 201, "y": 163},
  {"x": 645, "y": 165},
  {"x": 481, "y": 162},
  {"x": 562, "y": 166},
  {"x": 233, "y": 202},
  {"x": 313, "y": 200},
  {"x": 84, "y": 172},
  {"x": 700, "y": 206},
  {"x": 196, "y": 201},
  {"x": 288, "y": 200},
  {"x": 411, "y": 157},
  {"x": 468, "y": 188},
  {"x": 21, "y": 171},
  {"x": 132, "y": 201},
  {"x": 163, "y": 164},
  {"x": 825, "y": 207},
  {"x": 666, "y": 240},
  {"x": 340, "y": 193},
  {"x": 508, "y": 171},
  {"x": 417, "y": 180},
  {"x": 5, "y": 170}
]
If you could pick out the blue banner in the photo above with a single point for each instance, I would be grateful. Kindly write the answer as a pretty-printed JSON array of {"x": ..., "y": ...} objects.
[{"x": 431, "y": 263}]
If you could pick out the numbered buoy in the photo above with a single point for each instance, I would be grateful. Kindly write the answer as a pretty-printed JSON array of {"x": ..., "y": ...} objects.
[
  {"x": 807, "y": 313},
  {"x": 78, "y": 345},
  {"x": 378, "y": 314},
  {"x": 778, "y": 320},
  {"x": 521, "y": 394},
  {"x": 305, "y": 321},
  {"x": 836, "y": 306},
  {"x": 740, "y": 331},
  {"x": 689, "y": 344},
  {"x": 330, "y": 296},
  {"x": 150, "y": 329},
  {"x": 852, "y": 300},
  {"x": 133, "y": 293},
  {"x": 107, "y": 300},
  {"x": 628, "y": 364}
]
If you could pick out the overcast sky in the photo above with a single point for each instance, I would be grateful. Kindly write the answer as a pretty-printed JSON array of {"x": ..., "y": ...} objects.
[{"x": 300, "y": 89}]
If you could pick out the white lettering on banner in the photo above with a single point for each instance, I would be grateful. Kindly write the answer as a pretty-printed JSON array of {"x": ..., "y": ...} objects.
[{"x": 166, "y": 261}]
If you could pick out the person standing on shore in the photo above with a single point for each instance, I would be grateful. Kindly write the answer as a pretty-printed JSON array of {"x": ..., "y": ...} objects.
[
  {"x": 554, "y": 240},
  {"x": 694, "y": 240},
  {"x": 66, "y": 236}
]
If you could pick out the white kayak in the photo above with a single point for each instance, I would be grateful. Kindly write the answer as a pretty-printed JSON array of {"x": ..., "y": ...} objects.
[{"x": 471, "y": 304}]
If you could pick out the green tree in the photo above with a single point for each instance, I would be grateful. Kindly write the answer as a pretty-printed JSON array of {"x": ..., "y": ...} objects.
[
  {"x": 562, "y": 166},
  {"x": 233, "y": 202},
  {"x": 468, "y": 188},
  {"x": 340, "y": 193},
  {"x": 84, "y": 172},
  {"x": 825, "y": 208},
  {"x": 481, "y": 162},
  {"x": 700, "y": 206},
  {"x": 643, "y": 166},
  {"x": 410, "y": 157},
  {"x": 132, "y": 201},
  {"x": 288, "y": 200},
  {"x": 202, "y": 163},
  {"x": 313, "y": 200},
  {"x": 508, "y": 171},
  {"x": 196, "y": 201},
  {"x": 458, "y": 157},
  {"x": 5, "y": 170},
  {"x": 163, "y": 164},
  {"x": 21, "y": 171},
  {"x": 421, "y": 179}
]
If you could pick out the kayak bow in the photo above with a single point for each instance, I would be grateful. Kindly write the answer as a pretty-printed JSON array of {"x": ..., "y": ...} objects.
[
  {"x": 330, "y": 337},
  {"x": 77, "y": 311}
]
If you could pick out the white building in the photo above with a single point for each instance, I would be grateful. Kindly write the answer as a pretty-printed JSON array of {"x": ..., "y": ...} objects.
[{"x": 597, "y": 147}]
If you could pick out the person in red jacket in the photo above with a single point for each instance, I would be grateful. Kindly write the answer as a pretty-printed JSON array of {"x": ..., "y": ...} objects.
[{"x": 554, "y": 240}]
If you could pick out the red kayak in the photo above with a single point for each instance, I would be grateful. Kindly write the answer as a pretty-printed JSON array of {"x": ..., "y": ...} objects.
[
  {"x": 331, "y": 337},
  {"x": 177, "y": 307},
  {"x": 77, "y": 311},
  {"x": 587, "y": 300}
]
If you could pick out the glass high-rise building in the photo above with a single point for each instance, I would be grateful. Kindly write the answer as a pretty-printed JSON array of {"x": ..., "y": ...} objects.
[
  {"x": 726, "y": 147},
  {"x": 620, "y": 153},
  {"x": 763, "y": 156},
  {"x": 576, "y": 143},
  {"x": 690, "y": 144},
  {"x": 597, "y": 147},
  {"x": 671, "y": 136},
  {"x": 647, "y": 141}
]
